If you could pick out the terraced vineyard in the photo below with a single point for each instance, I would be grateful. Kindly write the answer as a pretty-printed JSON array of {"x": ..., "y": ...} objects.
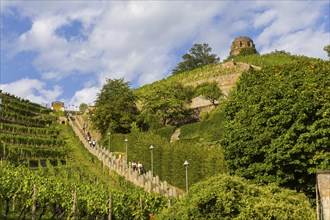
[
  {"x": 28, "y": 135},
  {"x": 45, "y": 172}
]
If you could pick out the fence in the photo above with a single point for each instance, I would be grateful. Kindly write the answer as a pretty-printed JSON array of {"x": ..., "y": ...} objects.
[{"x": 147, "y": 181}]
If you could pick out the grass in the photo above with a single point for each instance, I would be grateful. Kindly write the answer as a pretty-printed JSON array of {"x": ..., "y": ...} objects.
[{"x": 82, "y": 160}]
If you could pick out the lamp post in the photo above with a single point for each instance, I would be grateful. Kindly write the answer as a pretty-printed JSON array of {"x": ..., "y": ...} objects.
[
  {"x": 109, "y": 134},
  {"x": 186, "y": 165},
  {"x": 126, "y": 151},
  {"x": 152, "y": 159}
]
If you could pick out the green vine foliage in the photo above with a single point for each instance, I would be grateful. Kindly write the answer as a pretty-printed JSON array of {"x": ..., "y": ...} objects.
[
  {"x": 234, "y": 198},
  {"x": 278, "y": 124},
  {"x": 55, "y": 197}
]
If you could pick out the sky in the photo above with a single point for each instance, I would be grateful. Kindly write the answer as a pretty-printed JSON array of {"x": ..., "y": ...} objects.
[{"x": 65, "y": 50}]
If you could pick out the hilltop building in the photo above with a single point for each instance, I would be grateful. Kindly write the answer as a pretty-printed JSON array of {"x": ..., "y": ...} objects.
[
  {"x": 241, "y": 43},
  {"x": 58, "y": 106}
]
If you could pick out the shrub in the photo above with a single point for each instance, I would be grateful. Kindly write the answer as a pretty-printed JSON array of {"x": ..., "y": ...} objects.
[{"x": 234, "y": 198}]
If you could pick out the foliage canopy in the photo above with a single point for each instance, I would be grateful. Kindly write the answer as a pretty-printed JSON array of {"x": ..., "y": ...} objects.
[
  {"x": 210, "y": 91},
  {"x": 115, "y": 107},
  {"x": 327, "y": 49},
  {"x": 227, "y": 197},
  {"x": 278, "y": 124},
  {"x": 198, "y": 56},
  {"x": 165, "y": 104}
]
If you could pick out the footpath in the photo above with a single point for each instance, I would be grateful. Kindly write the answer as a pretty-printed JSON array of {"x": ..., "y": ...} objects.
[{"x": 147, "y": 181}]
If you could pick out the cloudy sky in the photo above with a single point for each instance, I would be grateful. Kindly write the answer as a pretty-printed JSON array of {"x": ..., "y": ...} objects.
[{"x": 64, "y": 50}]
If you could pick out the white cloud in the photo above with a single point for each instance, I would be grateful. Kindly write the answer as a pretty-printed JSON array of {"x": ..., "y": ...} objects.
[
  {"x": 137, "y": 39},
  {"x": 264, "y": 18},
  {"x": 86, "y": 95},
  {"x": 303, "y": 42},
  {"x": 33, "y": 90},
  {"x": 288, "y": 18}
]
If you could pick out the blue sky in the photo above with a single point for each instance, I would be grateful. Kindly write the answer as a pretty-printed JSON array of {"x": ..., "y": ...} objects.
[{"x": 64, "y": 50}]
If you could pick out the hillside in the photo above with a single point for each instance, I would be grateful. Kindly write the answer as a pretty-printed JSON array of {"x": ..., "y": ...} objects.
[
  {"x": 225, "y": 74},
  {"x": 248, "y": 156},
  {"x": 46, "y": 172}
]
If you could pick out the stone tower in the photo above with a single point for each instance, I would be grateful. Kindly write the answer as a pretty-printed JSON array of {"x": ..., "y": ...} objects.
[{"x": 241, "y": 43}]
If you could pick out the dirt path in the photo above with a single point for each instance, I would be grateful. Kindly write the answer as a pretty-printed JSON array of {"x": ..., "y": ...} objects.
[{"x": 176, "y": 135}]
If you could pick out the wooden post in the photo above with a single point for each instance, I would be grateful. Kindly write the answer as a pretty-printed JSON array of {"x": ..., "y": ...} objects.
[
  {"x": 317, "y": 202},
  {"x": 110, "y": 207},
  {"x": 34, "y": 206},
  {"x": 4, "y": 152},
  {"x": 74, "y": 206},
  {"x": 141, "y": 203}
]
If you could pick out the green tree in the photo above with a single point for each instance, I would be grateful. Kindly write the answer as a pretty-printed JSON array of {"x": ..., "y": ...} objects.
[
  {"x": 115, "y": 107},
  {"x": 327, "y": 49},
  {"x": 278, "y": 124},
  {"x": 230, "y": 197},
  {"x": 166, "y": 104},
  {"x": 210, "y": 91},
  {"x": 198, "y": 56},
  {"x": 82, "y": 107}
]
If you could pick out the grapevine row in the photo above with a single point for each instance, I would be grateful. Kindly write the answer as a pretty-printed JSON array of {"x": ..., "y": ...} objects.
[
  {"x": 30, "y": 140},
  {"x": 38, "y": 122},
  {"x": 18, "y": 129},
  {"x": 23, "y": 104},
  {"x": 55, "y": 197}
]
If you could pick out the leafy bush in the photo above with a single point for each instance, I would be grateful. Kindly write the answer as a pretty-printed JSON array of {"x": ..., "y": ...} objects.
[
  {"x": 278, "y": 124},
  {"x": 227, "y": 197}
]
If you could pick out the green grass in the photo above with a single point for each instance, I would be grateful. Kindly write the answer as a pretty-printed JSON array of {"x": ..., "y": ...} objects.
[
  {"x": 270, "y": 59},
  {"x": 81, "y": 160}
]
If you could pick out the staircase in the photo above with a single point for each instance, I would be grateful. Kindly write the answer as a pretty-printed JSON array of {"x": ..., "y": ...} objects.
[{"x": 147, "y": 181}]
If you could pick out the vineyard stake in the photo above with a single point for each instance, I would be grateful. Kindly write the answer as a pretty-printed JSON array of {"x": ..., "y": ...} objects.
[
  {"x": 110, "y": 207},
  {"x": 74, "y": 207},
  {"x": 34, "y": 206}
]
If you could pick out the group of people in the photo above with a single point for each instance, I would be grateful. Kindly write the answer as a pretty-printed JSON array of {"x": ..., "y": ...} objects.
[
  {"x": 138, "y": 167},
  {"x": 92, "y": 143},
  {"x": 135, "y": 166}
]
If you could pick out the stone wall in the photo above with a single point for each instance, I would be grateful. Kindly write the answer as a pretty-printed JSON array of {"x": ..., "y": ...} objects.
[{"x": 323, "y": 194}]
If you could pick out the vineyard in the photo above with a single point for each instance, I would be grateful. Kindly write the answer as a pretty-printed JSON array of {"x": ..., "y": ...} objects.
[
  {"x": 27, "y": 193},
  {"x": 28, "y": 134},
  {"x": 42, "y": 177}
]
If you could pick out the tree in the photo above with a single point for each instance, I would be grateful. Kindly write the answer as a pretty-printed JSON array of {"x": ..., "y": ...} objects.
[
  {"x": 327, "y": 49},
  {"x": 198, "y": 56},
  {"x": 277, "y": 125},
  {"x": 115, "y": 107},
  {"x": 210, "y": 91},
  {"x": 82, "y": 107},
  {"x": 166, "y": 103}
]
